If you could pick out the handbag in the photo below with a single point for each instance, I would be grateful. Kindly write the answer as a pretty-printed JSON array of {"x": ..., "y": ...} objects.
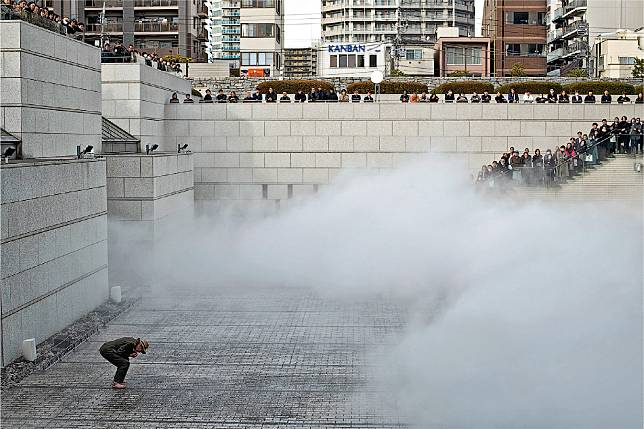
[{"x": 589, "y": 158}]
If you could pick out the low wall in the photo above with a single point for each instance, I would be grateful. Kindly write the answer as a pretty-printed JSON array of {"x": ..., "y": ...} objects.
[
  {"x": 134, "y": 96},
  {"x": 50, "y": 90},
  {"x": 275, "y": 151},
  {"x": 54, "y": 247}
]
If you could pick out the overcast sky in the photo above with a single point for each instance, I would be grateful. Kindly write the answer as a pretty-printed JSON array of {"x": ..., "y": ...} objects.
[{"x": 303, "y": 21}]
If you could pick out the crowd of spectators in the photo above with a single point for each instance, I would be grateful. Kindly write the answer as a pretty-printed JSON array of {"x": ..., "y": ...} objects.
[
  {"x": 321, "y": 95},
  {"x": 30, "y": 11},
  {"x": 514, "y": 97},
  {"x": 603, "y": 140},
  {"x": 117, "y": 53}
]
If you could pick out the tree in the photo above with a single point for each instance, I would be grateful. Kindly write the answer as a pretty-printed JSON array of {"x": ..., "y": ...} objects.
[
  {"x": 638, "y": 69},
  {"x": 577, "y": 73},
  {"x": 397, "y": 73},
  {"x": 460, "y": 73},
  {"x": 518, "y": 70}
]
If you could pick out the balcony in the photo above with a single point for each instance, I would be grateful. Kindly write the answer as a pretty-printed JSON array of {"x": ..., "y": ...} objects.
[
  {"x": 231, "y": 31},
  {"x": 155, "y": 27},
  {"x": 574, "y": 29},
  {"x": 230, "y": 12},
  {"x": 202, "y": 11},
  {"x": 575, "y": 7},
  {"x": 332, "y": 19},
  {"x": 110, "y": 27},
  {"x": 202, "y": 35},
  {"x": 557, "y": 15},
  {"x": 554, "y": 35},
  {"x": 228, "y": 22},
  {"x": 575, "y": 49},
  {"x": 230, "y": 5},
  {"x": 160, "y": 4},
  {"x": 554, "y": 55},
  {"x": 227, "y": 39},
  {"x": 98, "y": 4}
]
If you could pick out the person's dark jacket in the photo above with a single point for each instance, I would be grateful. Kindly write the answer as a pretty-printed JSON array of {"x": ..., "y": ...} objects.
[
  {"x": 355, "y": 98},
  {"x": 257, "y": 96},
  {"x": 249, "y": 98},
  {"x": 207, "y": 98},
  {"x": 513, "y": 98},
  {"x": 516, "y": 162},
  {"x": 624, "y": 127},
  {"x": 537, "y": 161},
  {"x": 313, "y": 96},
  {"x": 552, "y": 98},
  {"x": 485, "y": 98},
  {"x": 233, "y": 99},
  {"x": 500, "y": 99},
  {"x": 300, "y": 97},
  {"x": 368, "y": 99},
  {"x": 449, "y": 98},
  {"x": 639, "y": 100},
  {"x": 549, "y": 160},
  {"x": 563, "y": 98},
  {"x": 404, "y": 98},
  {"x": 123, "y": 347},
  {"x": 333, "y": 96},
  {"x": 623, "y": 99},
  {"x": 271, "y": 97},
  {"x": 589, "y": 99},
  {"x": 577, "y": 99},
  {"x": 475, "y": 99},
  {"x": 606, "y": 98},
  {"x": 285, "y": 98},
  {"x": 433, "y": 98},
  {"x": 221, "y": 98}
]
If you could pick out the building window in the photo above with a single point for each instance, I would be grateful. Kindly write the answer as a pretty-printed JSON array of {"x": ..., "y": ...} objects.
[
  {"x": 373, "y": 61},
  {"x": 257, "y": 58},
  {"x": 258, "y": 30},
  {"x": 535, "y": 50},
  {"x": 333, "y": 61},
  {"x": 346, "y": 61},
  {"x": 360, "y": 60},
  {"x": 630, "y": 61},
  {"x": 414, "y": 54},
  {"x": 258, "y": 3},
  {"x": 513, "y": 49},
  {"x": 455, "y": 56},
  {"x": 475, "y": 56},
  {"x": 520, "y": 17}
]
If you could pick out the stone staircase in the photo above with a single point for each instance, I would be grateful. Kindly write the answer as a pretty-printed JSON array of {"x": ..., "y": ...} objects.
[{"x": 613, "y": 180}]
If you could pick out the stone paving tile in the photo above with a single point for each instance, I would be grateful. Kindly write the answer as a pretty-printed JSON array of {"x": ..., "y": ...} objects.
[{"x": 227, "y": 358}]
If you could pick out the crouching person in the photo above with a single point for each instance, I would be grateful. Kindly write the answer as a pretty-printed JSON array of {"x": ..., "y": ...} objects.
[{"x": 118, "y": 352}]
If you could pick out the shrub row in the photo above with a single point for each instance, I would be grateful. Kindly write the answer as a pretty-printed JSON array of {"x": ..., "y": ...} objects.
[
  {"x": 639, "y": 89},
  {"x": 532, "y": 87},
  {"x": 292, "y": 86},
  {"x": 388, "y": 87},
  {"x": 465, "y": 86}
]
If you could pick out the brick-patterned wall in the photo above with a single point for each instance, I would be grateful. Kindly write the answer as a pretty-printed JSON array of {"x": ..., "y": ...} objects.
[{"x": 274, "y": 151}]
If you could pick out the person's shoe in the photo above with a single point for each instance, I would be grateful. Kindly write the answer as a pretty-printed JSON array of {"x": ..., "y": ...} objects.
[{"x": 118, "y": 385}]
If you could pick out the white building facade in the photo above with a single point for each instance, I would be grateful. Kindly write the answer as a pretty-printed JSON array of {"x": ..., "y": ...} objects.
[
  {"x": 352, "y": 59},
  {"x": 615, "y": 53}
]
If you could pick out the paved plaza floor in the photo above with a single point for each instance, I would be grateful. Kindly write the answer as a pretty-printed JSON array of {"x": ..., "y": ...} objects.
[{"x": 225, "y": 358}]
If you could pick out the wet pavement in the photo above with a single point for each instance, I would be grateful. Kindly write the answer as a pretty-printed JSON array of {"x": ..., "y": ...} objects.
[{"x": 226, "y": 358}]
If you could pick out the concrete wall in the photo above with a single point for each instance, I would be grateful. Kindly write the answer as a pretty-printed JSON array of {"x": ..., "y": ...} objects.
[
  {"x": 54, "y": 247},
  {"x": 134, "y": 96},
  {"x": 50, "y": 90},
  {"x": 148, "y": 187},
  {"x": 274, "y": 151}
]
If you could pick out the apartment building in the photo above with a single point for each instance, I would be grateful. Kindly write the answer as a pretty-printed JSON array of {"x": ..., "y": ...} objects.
[
  {"x": 161, "y": 26},
  {"x": 300, "y": 62},
  {"x": 575, "y": 24},
  {"x": 414, "y": 21},
  {"x": 517, "y": 30},
  {"x": 248, "y": 33},
  {"x": 224, "y": 31}
]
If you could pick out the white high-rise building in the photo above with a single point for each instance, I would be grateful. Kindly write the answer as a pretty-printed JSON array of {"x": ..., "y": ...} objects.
[
  {"x": 249, "y": 33},
  {"x": 414, "y": 21}
]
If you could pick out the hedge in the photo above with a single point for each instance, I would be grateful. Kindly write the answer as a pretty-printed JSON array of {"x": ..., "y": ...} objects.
[
  {"x": 294, "y": 85},
  {"x": 533, "y": 87},
  {"x": 388, "y": 87},
  {"x": 639, "y": 89},
  {"x": 598, "y": 87},
  {"x": 465, "y": 87}
]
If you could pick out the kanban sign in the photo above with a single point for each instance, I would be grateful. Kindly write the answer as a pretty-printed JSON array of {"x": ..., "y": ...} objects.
[{"x": 347, "y": 48}]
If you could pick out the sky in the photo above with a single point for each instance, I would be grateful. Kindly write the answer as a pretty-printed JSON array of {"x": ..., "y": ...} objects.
[{"x": 302, "y": 19}]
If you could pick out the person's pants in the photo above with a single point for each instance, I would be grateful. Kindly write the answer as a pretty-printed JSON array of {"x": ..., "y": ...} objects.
[{"x": 122, "y": 365}]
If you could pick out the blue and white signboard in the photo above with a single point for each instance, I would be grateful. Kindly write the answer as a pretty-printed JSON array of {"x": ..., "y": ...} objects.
[{"x": 351, "y": 59}]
